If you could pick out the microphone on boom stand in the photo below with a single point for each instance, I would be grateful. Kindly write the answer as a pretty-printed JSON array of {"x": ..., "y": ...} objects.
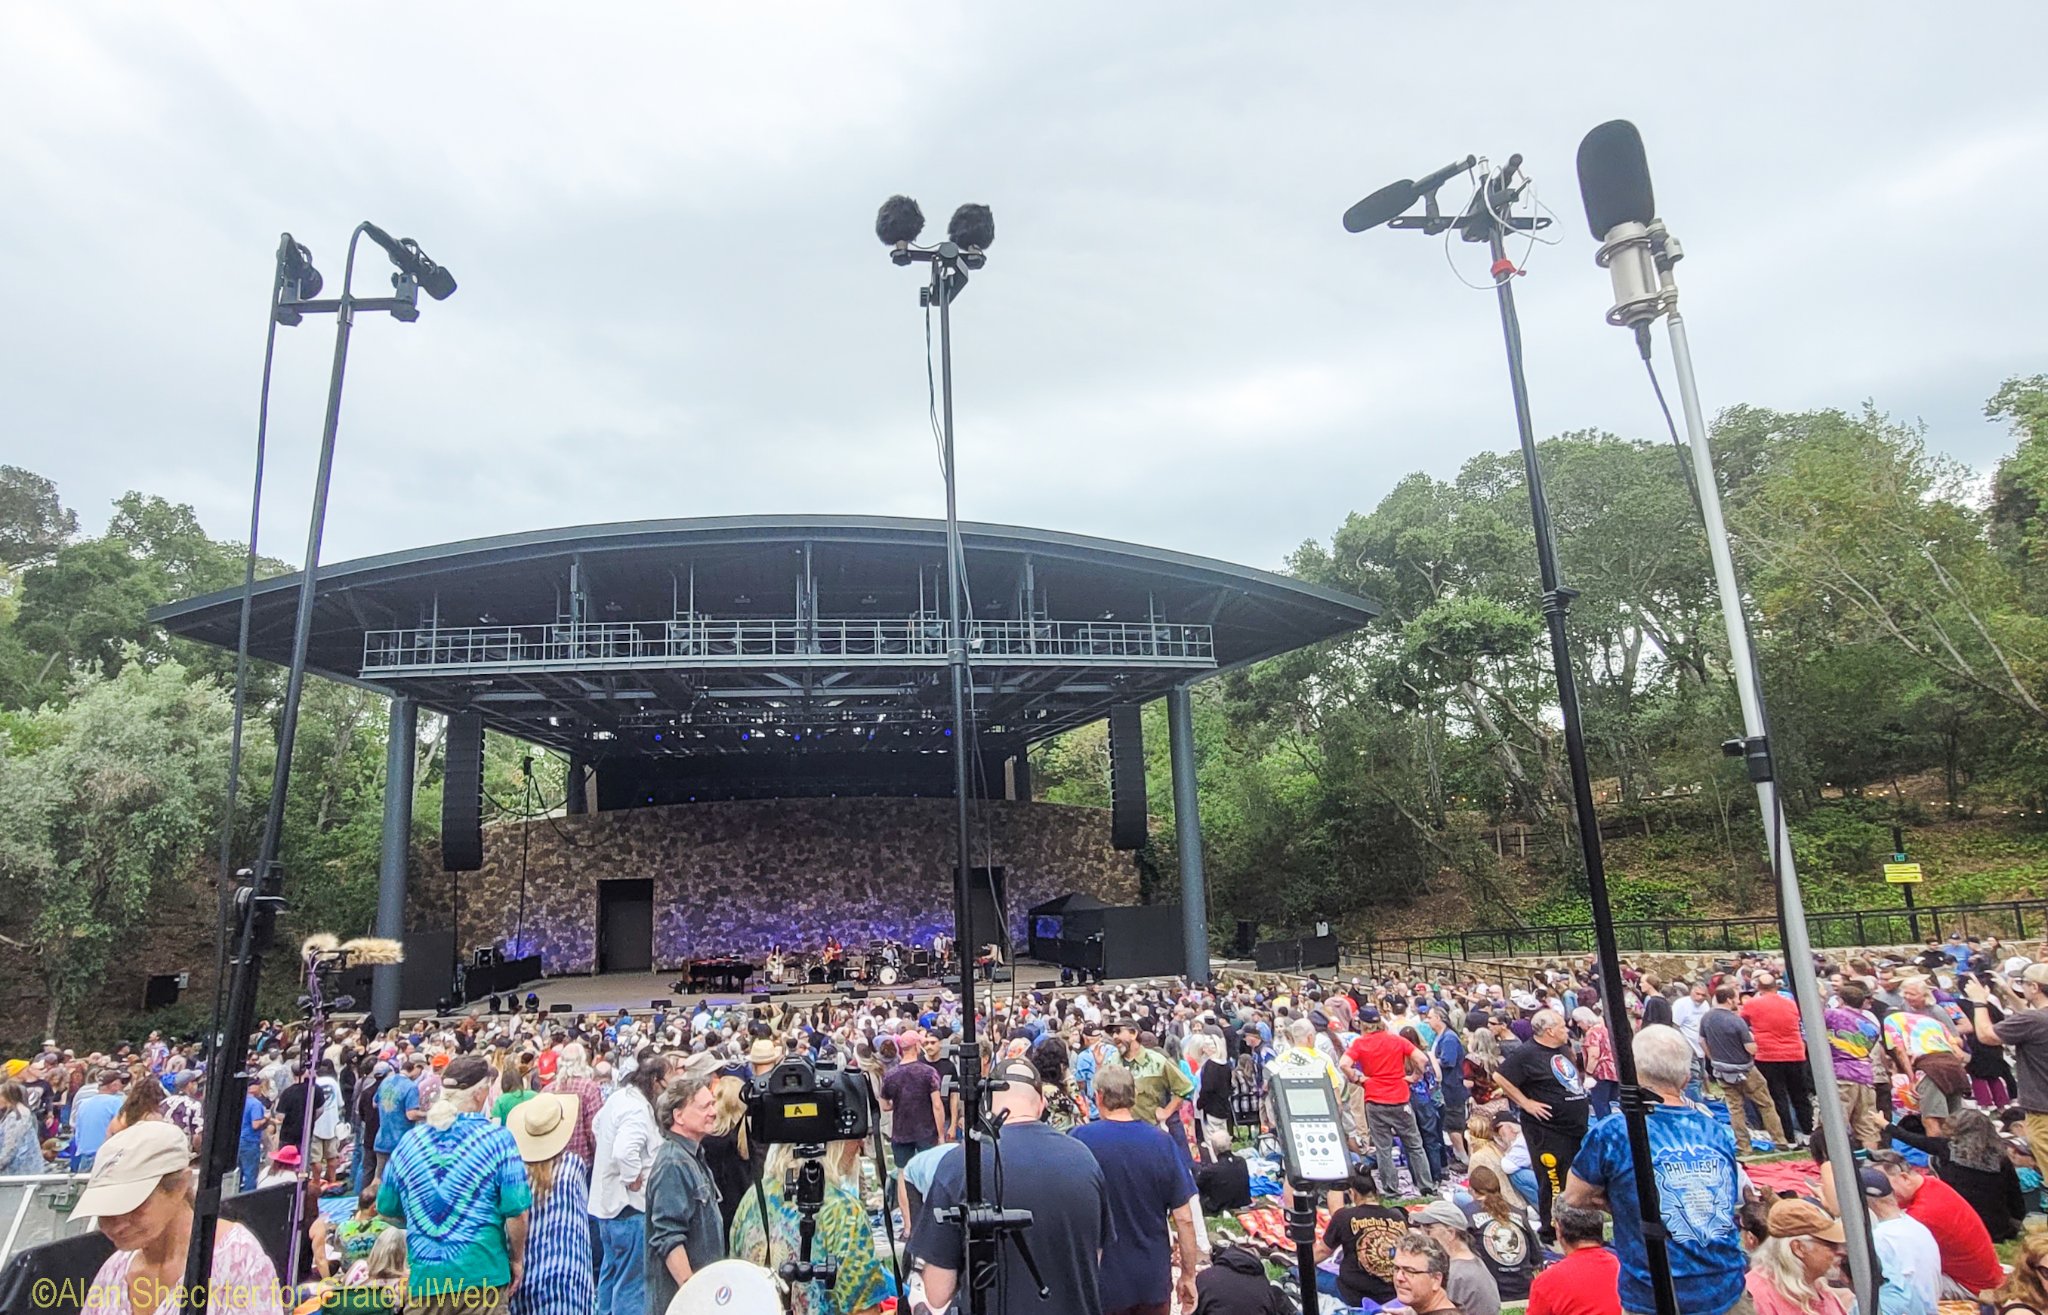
[{"x": 1639, "y": 254}]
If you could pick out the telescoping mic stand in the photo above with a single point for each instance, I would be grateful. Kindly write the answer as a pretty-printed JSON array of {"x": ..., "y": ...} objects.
[{"x": 988, "y": 1225}]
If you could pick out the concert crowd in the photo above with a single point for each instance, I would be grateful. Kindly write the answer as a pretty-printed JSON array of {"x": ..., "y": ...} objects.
[{"x": 546, "y": 1162}]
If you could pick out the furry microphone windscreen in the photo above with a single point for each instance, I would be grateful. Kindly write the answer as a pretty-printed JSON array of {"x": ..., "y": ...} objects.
[
  {"x": 374, "y": 950},
  {"x": 898, "y": 221},
  {"x": 972, "y": 226}
]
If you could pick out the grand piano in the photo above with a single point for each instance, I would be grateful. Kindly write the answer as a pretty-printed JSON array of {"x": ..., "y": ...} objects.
[{"x": 723, "y": 972}]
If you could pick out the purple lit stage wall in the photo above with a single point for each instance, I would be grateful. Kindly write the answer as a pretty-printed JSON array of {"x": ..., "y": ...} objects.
[{"x": 740, "y": 877}]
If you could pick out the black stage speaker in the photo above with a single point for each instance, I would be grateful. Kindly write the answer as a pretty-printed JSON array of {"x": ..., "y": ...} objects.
[
  {"x": 562, "y": 1009},
  {"x": 462, "y": 795},
  {"x": 761, "y": 997},
  {"x": 1247, "y": 936},
  {"x": 1126, "y": 777}
]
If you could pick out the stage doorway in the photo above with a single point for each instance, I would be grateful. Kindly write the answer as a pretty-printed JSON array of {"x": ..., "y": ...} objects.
[{"x": 625, "y": 926}]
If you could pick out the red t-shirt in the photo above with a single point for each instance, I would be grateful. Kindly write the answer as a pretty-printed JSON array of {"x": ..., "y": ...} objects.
[
  {"x": 544, "y": 1063},
  {"x": 1775, "y": 1020},
  {"x": 1586, "y": 1282},
  {"x": 1383, "y": 1058},
  {"x": 1967, "y": 1255}
]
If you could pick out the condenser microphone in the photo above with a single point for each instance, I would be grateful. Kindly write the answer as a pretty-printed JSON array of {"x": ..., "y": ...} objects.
[
  {"x": 1614, "y": 178},
  {"x": 1614, "y": 183}
]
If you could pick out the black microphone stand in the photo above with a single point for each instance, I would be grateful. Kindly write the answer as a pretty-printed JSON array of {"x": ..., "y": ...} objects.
[
  {"x": 261, "y": 897},
  {"x": 983, "y": 1224},
  {"x": 1488, "y": 220}
]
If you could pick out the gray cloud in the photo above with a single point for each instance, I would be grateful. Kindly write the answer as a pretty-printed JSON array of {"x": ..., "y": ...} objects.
[{"x": 672, "y": 303}]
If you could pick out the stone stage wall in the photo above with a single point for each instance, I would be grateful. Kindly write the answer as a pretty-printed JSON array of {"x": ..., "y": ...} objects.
[{"x": 739, "y": 876}]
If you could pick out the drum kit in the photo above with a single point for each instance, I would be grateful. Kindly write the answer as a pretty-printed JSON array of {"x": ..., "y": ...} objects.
[{"x": 880, "y": 963}]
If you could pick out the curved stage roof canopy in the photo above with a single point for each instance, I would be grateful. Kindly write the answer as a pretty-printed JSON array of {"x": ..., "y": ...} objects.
[{"x": 789, "y": 651}]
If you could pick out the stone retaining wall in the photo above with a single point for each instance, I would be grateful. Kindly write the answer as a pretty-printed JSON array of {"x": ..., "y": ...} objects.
[{"x": 739, "y": 876}]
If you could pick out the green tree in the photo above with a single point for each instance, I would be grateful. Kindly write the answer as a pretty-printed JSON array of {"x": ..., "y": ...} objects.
[{"x": 102, "y": 800}]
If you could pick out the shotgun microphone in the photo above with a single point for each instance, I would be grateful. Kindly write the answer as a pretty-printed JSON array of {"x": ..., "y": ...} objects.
[
  {"x": 434, "y": 279},
  {"x": 1621, "y": 208}
]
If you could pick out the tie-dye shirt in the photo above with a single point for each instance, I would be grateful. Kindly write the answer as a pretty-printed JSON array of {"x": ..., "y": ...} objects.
[
  {"x": 1852, "y": 1035},
  {"x": 454, "y": 1188}
]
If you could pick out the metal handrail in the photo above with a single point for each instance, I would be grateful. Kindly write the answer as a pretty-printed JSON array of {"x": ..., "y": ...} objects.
[
  {"x": 712, "y": 642},
  {"x": 1829, "y": 928}
]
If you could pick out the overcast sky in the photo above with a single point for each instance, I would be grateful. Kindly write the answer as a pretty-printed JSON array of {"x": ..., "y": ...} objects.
[{"x": 672, "y": 302}]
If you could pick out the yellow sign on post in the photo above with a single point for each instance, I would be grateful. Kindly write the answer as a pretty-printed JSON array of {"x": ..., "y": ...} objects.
[{"x": 1902, "y": 874}]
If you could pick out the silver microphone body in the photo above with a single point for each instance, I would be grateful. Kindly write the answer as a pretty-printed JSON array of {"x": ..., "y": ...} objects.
[{"x": 1628, "y": 257}]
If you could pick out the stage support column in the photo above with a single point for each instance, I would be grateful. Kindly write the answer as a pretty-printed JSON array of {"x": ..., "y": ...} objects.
[
  {"x": 1187, "y": 826},
  {"x": 399, "y": 749}
]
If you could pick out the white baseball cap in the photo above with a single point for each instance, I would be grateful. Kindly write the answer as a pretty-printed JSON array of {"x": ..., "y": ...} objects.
[{"x": 130, "y": 1165}]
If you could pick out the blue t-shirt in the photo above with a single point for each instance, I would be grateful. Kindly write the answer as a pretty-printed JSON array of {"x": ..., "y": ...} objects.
[
  {"x": 396, "y": 1099},
  {"x": 1450, "y": 1056},
  {"x": 91, "y": 1118},
  {"x": 1694, "y": 1154},
  {"x": 252, "y": 1110},
  {"x": 1146, "y": 1177}
]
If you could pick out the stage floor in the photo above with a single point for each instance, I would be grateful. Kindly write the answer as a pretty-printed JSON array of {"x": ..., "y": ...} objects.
[{"x": 611, "y": 992}]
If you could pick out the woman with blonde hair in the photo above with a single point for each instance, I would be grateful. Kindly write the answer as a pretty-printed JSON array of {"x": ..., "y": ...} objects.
[
  {"x": 1483, "y": 1141},
  {"x": 385, "y": 1268},
  {"x": 844, "y": 1234},
  {"x": 726, "y": 1152}
]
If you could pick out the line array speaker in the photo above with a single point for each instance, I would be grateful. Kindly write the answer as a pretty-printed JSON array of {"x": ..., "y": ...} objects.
[
  {"x": 1126, "y": 777},
  {"x": 462, "y": 795}
]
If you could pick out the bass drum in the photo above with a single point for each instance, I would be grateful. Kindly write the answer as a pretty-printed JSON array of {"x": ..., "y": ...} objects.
[{"x": 886, "y": 975}]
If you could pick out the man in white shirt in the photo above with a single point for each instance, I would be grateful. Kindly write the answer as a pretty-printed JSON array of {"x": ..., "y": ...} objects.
[
  {"x": 1688, "y": 1010},
  {"x": 1907, "y": 1253},
  {"x": 627, "y": 1139}
]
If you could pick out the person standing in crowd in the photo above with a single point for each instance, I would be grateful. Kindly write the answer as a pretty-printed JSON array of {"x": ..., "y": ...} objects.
[
  {"x": 1420, "y": 1271},
  {"x": 1693, "y": 1157},
  {"x": 1853, "y": 1037},
  {"x": 1426, "y": 1102},
  {"x": 559, "y": 1278},
  {"x": 1540, "y": 1077},
  {"x": 1731, "y": 1062},
  {"x": 93, "y": 1114},
  {"x": 1781, "y": 1055},
  {"x": 1928, "y": 1051},
  {"x": 1147, "y": 1182},
  {"x": 363, "y": 1134},
  {"x": 572, "y": 1077},
  {"x": 727, "y": 1150},
  {"x": 1053, "y": 1176},
  {"x": 1162, "y": 1086},
  {"x": 685, "y": 1232},
  {"x": 844, "y": 1235},
  {"x": 1448, "y": 1050},
  {"x": 458, "y": 1186},
  {"x": 1788, "y": 1273},
  {"x": 1969, "y": 1262},
  {"x": 249, "y": 1146},
  {"x": 1212, "y": 1086},
  {"x": 910, "y": 1096},
  {"x": 1587, "y": 1280},
  {"x": 1596, "y": 1058},
  {"x": 141, "y": 1194},
  {"x": 1383, "y": 1063},
  {"x": 2025, "y": 1029},
  {"x": 1362, "y": 1234},
  {"x": 627, "y": 1138},
  {"x": 21, "y": 1140},
  {"x": 398, "y": 1107}
]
